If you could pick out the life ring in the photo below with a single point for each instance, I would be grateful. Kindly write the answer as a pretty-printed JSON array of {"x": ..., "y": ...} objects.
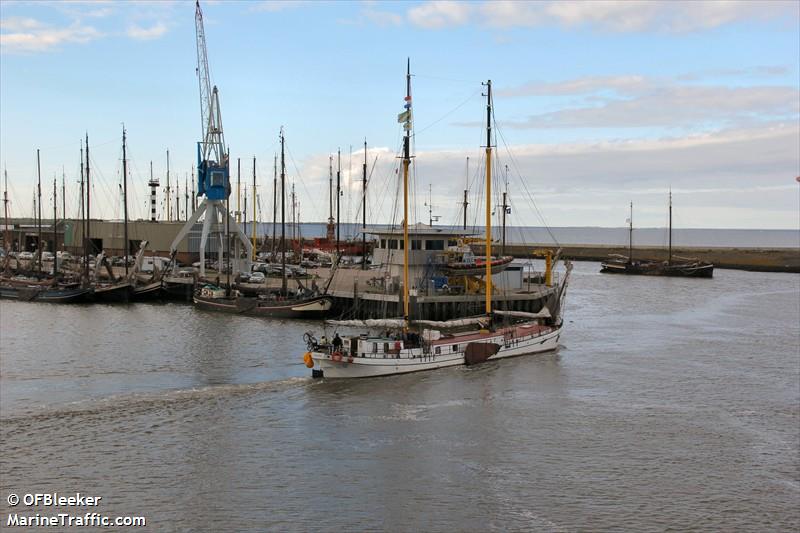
[{"x": 336, "y": 356}]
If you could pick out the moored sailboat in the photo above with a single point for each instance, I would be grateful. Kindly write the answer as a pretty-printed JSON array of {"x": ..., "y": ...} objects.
[{"x": 684, "y": 268}]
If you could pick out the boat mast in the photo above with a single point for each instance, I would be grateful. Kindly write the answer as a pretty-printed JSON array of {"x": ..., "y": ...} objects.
[
  {"x": 338, "y": 195},
  {"x": 55, "y": 222},
  {"x": 228, "y": 232},
  {"x": 669, "y": 258},
  {"x": 364, "y": 212},
  {"x": 466, "y": 189},
  {"x": 253, "y": 256},
  {"x": 489, "y": 197},
  {"x": 126, "y": 246},
  {"x": 186, "y": 198},
  {"x": 6, "y": 241},
  {"x": 505, "y": 211},
  {"x": 274, "y": 202},
  {"x": 88, "y": 211},
  {"x": 39, "y": 211},
  {"x": 83, "y": 221},
  {"x": 630, "y": 236},
  {"x": 283, "y": 217},
  {"x": 406, "y": 163},
  {"x": 169, "y": 204},
  {"x": 63, "y": 193}
]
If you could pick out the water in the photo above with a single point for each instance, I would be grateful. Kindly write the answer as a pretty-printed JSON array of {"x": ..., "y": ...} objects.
[
  {"x": 673, "y": 404},
  {"x": 692, "y": 237}
]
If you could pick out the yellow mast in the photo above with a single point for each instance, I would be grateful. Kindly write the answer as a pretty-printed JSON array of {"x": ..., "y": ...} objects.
[
  {"x": 489, "y": 197},
  {"x": 406, "y": 116},
  {"x": 253, "y": 257}
]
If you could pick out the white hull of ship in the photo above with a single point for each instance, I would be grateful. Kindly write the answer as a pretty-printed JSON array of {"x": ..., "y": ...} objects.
[{"x": 414, "y": 360}]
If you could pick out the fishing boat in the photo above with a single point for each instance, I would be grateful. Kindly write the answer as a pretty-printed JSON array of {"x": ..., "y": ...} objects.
[
  {"x": 405, "y": 345},
  {"x": 213, "y": 298},
  {"x": 58, "y": 294},
  {"x": 685, "y": 267}
]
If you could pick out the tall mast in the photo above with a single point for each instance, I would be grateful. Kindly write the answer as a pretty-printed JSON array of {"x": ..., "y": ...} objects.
[
  {"x": 55, "y": 223},
  {"x": 669, "y": 258},
  {"x": 283, "y": 217},
  {"x": 177, "y": 201},
  {"x": 294, "y": 221},
  {"x": 84, "y": 231},
  {"x": 364, "y": 212},
  {"x": 186, "y": 198},
  {"x": 6, "y": 241},
  {"x": 630, "y": 236},
  {"x": 406, "y": 119},
  {"x": 505, "y": 210},
  {"x": 238, "y": 189},
  {"x": 63, "y": 193},
  {"x": 228, "y": 235},
  {"x": 88, "y": 206},
  {"x": 330, "y": 190},
  {"x": 126, "y": 245},
  {"x": 274, "y": 203},
  {"x": 169, "y": 204},
  {"x": 338, "y": 194},
  {"x": 39, "y": 211},
  {"x": 489, "y": 197},
  {"x": 254, "y": 209},
  {"x": 466, "y": 189}
]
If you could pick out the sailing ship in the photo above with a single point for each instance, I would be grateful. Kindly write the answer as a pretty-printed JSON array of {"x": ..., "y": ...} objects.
[
  {"x": 283, "y": 303},
  {"x": 408, "y": 345},
  {"x": 38, "y": 288},
  {"x": 685, "y": 267},
  {"x": 113, "y": 290}
]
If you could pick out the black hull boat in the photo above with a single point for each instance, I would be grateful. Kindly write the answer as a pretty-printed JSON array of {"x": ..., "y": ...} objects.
[
  {"x": 177, "y": 289},
  {"x": 312, "y": 307},
  {"x": 43, "y": 294},
  {"x": 113, "y": 293},
  {"x": 698, "y": 269},
  {"x": 147, "y": 292}
]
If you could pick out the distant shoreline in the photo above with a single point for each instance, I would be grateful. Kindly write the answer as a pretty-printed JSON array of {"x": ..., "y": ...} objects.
[{"x": 743, "y": 258}]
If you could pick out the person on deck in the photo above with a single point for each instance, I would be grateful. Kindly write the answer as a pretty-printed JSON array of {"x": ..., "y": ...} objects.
[{"x": 337, "y": 343}]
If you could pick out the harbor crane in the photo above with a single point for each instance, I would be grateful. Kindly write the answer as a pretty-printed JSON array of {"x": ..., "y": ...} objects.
[{"x": 213, "y": 167}]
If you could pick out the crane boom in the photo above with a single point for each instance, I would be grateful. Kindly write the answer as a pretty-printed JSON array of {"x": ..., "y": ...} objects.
[{"x": 212, "y": 156}]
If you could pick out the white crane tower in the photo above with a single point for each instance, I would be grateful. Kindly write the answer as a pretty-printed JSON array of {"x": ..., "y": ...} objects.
[{"x": 213, "y": 169}]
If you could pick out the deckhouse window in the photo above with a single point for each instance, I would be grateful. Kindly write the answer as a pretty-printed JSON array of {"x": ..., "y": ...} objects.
[
  {"x": 434, "y": 245},
  {"x": 416, "y": 244},
  {"x": 393, "y": 244},
  {"x": 383, "y": 243}
]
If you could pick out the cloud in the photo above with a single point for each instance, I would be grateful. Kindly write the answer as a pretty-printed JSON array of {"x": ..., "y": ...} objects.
[
  {"x": 273, "y": 6},
  {"x": 29, "y": 35},
  {"x": 750, "y": 168},
  {"x": 381, "y": 18},
  {"x": 440, "y": 14},
  {"x": 640, "y": 101},
  {"x": 18, "y": 24},
  {"x": 586, "y": 85},
  {"x": 603, "y": 15},
  {"x": 153, "y": 32}
]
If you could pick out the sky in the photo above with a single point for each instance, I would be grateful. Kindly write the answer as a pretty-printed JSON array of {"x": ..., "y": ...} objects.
[{"x": 596, "y": 105}]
